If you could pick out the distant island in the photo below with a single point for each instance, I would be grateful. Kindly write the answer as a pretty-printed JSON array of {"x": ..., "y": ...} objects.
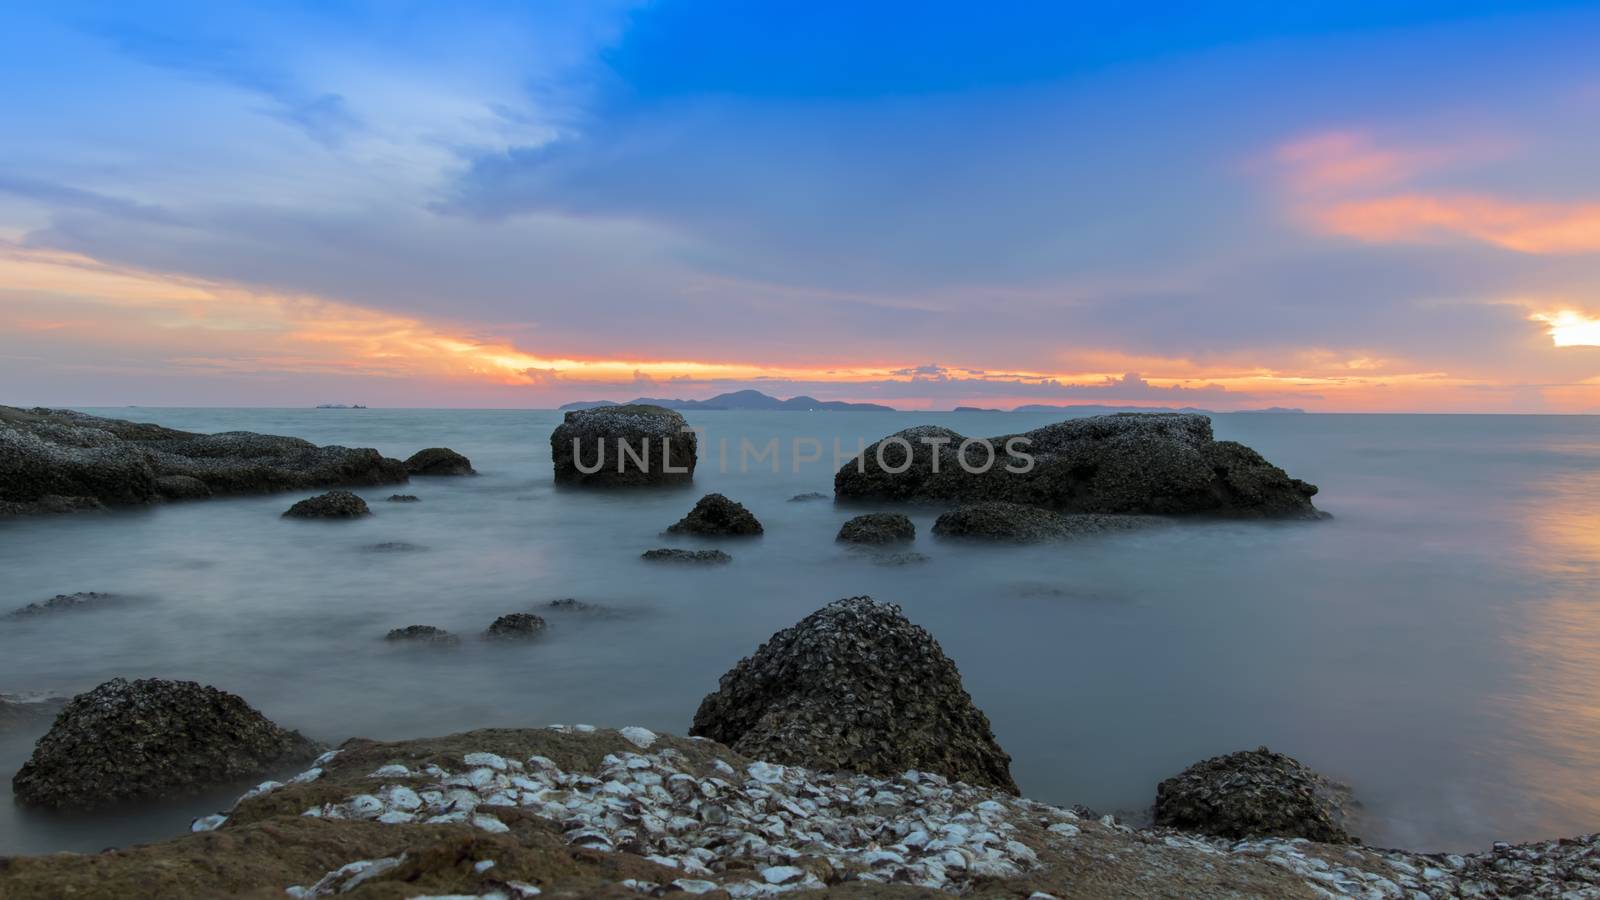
[
  {"x": 976, "y": 409},
  {"x": 742, "y": 400},
  {"x": 339, "y": 406},
  {"x": 1099, "y": 409}
]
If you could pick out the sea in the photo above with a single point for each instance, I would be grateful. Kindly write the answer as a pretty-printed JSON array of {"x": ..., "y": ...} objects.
[{"x": 1434, "y": 645}]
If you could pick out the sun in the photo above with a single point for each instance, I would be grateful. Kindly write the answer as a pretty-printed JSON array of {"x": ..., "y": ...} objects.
[{"x": 1570, "y": 328}]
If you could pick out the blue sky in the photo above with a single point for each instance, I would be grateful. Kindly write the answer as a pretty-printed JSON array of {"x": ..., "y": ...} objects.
[{"x": 1328, "y": 205}]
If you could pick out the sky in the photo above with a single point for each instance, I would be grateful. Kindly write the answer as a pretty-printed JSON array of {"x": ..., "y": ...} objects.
[{"x": 1336, "y": 206}]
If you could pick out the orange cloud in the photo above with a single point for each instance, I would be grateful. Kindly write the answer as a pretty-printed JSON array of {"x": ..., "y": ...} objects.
[
  {"x": 1541, "y": 228},
  {"x": 1344, "y": 160}
]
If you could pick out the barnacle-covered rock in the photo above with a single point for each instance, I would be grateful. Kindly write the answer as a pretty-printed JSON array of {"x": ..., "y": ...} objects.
[
  {"x": 878, "y": 528},
  {"x": 1252, "y": 793},
  {"x": 439, "y": 461},
  {"x": 586, "y": 447},
  {"x": 331, "y": 505},
  {"x": 715, "y": 516}
]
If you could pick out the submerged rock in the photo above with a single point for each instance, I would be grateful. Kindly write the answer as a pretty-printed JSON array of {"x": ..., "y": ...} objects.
[
  {"x": 588, "y": 439},
  {"x": 715, "y": 516},
  {"x": 1252, "y": 793},
  {"x": 857, "y": 687},
  {"x": 422, "y": 634},
  {"x": 878, "y": 528},
  {"x": 54, "y": 460},
  {"x": 332, "y": 505},
  {"x": 393, "y": 547},
  {"x": 515, "y": 626},
  {"x": 439, "y": 461},
  {"x": 1161, "y": 463},
  {"x": 148, "y": 739},
  {"x": 674, "y": 554},
  {"x": 1017, "y": 523},
  {"x": 403, "y": 498},
  {"x": 85, "y": 600},
  {"x": 807, "y": 496}
]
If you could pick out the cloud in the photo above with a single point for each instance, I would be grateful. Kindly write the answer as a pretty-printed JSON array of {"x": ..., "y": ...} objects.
[{"x": 1539, "y": 228}]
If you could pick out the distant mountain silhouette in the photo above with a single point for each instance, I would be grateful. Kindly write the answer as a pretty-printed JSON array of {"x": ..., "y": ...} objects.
[
  {"x": 1100, "y": 409},
  {"x": 742, "y": 400}
]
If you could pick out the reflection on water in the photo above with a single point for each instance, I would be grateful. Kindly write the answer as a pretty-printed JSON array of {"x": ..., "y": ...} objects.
[{"x": 1433, "y": 646}]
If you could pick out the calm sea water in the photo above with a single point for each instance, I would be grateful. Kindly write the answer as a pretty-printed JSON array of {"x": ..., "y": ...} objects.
[{"x": 1436, "y": 645}]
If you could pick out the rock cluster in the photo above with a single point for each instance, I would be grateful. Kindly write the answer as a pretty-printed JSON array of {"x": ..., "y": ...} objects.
[
  {"x": 1252, "y": 793},
  {"x": 878, "y": 528},
  {"x": 515, "y": 627},
  {"x": 679, "y": 555},
  {"x": 716, "y": 516},
  {"x": 855, "y": 687},
  {"x": 1014, "y": 522},
  {"x": 85, "y": 600},
  {"x": 1159, "y": 463},
  {"x": 439, "y": 461},
  {"x": 152, "y": 738},
  {"x": 589, "y": 438},
  {"x": 60, "y": 460},
  {"x": 331, "y": 505},
  {"x": 423, "y": 634}
]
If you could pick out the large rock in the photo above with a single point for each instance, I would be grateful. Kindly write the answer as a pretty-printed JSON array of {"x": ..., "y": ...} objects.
[
  {"x": 439, "y": 461},
  {"x": 1162, "y": 463},
  {"x": 655, "y": 434},
  {"x": 717, "y": 516},
  {"x": 59, "y": 460},
  {"x": 856, "y": 687},
  {"x": 1020, "y": 524},
  {"x": 331, "y": 505},
  {"x": 148, "y": 739},
  {"x": 878, "y": 528},
  {"x": 1252, "y": 793}
]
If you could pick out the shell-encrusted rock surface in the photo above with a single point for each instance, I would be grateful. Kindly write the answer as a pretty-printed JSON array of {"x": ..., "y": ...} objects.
[
  {"x": 590, "y": 437},
  {"x": 1160, "y": 463},
  {"x": 515, "y": 627},
  {"x": 1020, "y": 524},
  {"x": 878, "y": 528},
  {"x": 423, "y": 634},
  {"x": 855, "y": 686},
  {"x": 331, "y": 505},
  {"x": 439, "y": 461},
  {"x": 54, "y": 460},
  {"x": 151, "y": 738},
  {"x": 715, "y": 516},
  {"x": 1250, "y": 794},
  {"x": 575, "y": 811}
]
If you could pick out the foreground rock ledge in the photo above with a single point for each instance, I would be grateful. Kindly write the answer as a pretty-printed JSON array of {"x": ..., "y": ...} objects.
[
  {"x": 1160, "y": 463},
  {"x": 855, "y": 686},
  {"x": 579, "y": 812},
  {"x": 56, "y": 460}
]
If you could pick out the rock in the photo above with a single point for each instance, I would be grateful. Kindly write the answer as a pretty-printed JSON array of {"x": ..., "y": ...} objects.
[
  {"x": 149, "y": 739},
  {"x": 439, "y": 461},
  {"x": 182, "y": 487},
  {"x": 1014, "y": 522},
  {"x": 716, "y": 515},
  {"x": 1252, "y": 793},
  {"x": 423, "y": 634},
  {"x": 807, "y": 496},
  {"x": 572, "y": 604},
  {"x": 1160, "y": 463},
  {"x": 515, "y": 626},
  {"x": 655, "y": 434},
  {"x": 68, "y": 603},
  {"x": 878, "y": 528},
  {"x": 673, "y": 554},
  {"x": 403, "y": 498},
  {"x": 855, "y": 687},
  {"x": 332, "y": 505},
  {"x": 54, "y": 460}
]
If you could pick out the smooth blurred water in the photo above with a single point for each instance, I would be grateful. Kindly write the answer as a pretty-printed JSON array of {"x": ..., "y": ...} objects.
[{"x": 1436, "y": 645}]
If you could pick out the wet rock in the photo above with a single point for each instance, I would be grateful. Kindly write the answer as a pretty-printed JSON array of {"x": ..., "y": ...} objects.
[
  {"x": 878, "y": 528},
  {"x": 857, "y": 687},
  {"x": 85, "y": 600},
  {"x": 393, "y": 547},
  {"x": 1252, "y": 793},
  {"x": 403, "y": 498},
  {"x": 588, "y": 439},
  {"x": 1160, "y": 463},
  {"x": 674, "y": 554},
  {"x": 182, "y": 487},
  {"x": 1017, "y": 523},
  {"x": 715, "y": 516},
  {"x": 148, "y": 739},
  {"x": 332, "y": 505},
  {"x": 807, "y": 496},
  {"x": 55, "y": 460},
  {"x": 423, "y": 634},
  {"x": 515, "y": 627},
  {"x": 439, "y": 461}
]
